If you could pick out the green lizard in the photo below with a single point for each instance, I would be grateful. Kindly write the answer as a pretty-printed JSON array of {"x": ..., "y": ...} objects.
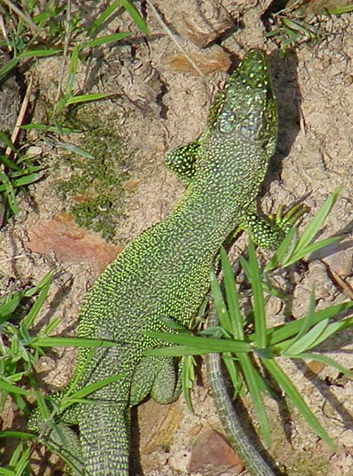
[{"x": 165, "y": 273}]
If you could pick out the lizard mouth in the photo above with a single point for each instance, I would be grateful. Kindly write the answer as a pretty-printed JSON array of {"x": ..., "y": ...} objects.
[{"x": 253, "y": 71}]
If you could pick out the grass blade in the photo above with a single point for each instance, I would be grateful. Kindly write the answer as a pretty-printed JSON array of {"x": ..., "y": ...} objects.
[
  {"x": 71, "y": 342},
  {"x": 235, "y": 317},
  {"x": 9, "y": 193},
  {"x": 7, "y": 141},
  {"x": 8, "y": 66},
  {"x": 71, "y": 81},
  {"x": 103, "y": 17},
  {"x": 7, "y": 162},
  {"x": 283, "y": 332},
  {"x": 234, "y": 374},
  {"x": 307, "y": 341},
  {"x": 325, "y": 360},
  {"x": 333, "y": 329},
  {"x": 281, "y": 251},
  {"x": 23, "y": 463},
  {"x": 258, "y": 299},
  {"x": 69, "y": 400},
  {"x": 318, "y": 245},
  {"x": 28, "y": 320},
  {"x": 291, "y": 391},
  {"x": 28, "y": 179},
  {"x": 314, "y": 226},
  {"x": 9, "y": 388},
  {"x": 339, "y": 10},
  {"x": 135, "y": 16},
  {"x": 208, "y": 345},
  {"x": 42, "y": 283},
  {"x": 86, "y": 98},
  {"x": 252, "y": 377},
  {"x": 188, "y": 378},
  {"x": 107, "y": 39},
  {"x": 8, "y": 304},
  {"x": 307, "y": 322},
  {"x": 17, "y": 434},
  {"x": 39, "y": 53},
  {"x": 176, "y": 351},
  {"x": 219, "y": 304},
  {"x": 42, "y": 406}
]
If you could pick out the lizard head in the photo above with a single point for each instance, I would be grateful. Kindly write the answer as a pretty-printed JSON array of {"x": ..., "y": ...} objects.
[{"x": 246, "y": 106}]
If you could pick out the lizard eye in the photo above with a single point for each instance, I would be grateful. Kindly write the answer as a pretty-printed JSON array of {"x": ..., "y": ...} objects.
[{"x": 226, "y": 121}]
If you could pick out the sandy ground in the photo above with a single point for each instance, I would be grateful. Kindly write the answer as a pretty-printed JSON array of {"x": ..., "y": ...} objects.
[{"x": 156, "y": 105}]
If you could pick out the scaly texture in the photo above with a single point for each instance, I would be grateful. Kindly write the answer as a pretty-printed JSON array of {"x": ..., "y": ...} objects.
[
  {"x": 231, "y": 422},
  {"x": 165, "y": 272}
]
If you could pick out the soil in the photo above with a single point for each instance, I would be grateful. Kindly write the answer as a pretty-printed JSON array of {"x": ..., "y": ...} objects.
[{"x": 158, "y": 101}]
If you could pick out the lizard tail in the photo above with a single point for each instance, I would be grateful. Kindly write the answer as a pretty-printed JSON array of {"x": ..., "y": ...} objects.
[
  {"x": 105, "y": 439},
  {"x": 231, "y": 422}
]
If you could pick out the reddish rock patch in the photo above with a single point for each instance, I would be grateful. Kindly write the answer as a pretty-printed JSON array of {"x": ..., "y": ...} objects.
[
  {"x": 70, "y": 243},
  {"x": 212, "y": 455}
]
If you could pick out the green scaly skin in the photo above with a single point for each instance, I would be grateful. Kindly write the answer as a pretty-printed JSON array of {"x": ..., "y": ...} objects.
[{"x": 165, "y": 272}]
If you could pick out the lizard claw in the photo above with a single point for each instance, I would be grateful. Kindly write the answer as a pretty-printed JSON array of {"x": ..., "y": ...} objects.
[{"x": 291, "y": 217}]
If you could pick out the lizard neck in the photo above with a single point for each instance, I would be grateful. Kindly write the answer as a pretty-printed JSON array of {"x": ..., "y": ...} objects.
[{"x": 226, "y": 184}]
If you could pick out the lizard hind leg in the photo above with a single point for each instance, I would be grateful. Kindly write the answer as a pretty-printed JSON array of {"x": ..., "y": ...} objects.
[{"x": 158, "y": 377}]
